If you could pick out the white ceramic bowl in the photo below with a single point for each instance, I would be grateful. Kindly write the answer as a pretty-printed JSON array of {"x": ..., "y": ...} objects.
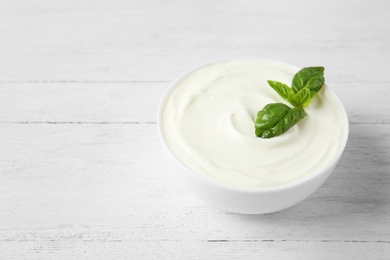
[{"x": 241, "y": 200}]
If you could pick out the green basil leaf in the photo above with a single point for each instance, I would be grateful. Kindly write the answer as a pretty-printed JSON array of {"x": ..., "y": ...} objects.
[
  {"x": 302, "y": 98},
  {"x": 311, "y": 78},
  {"x": 282, "y": 89},
  {"x": 275, "y": 119}
]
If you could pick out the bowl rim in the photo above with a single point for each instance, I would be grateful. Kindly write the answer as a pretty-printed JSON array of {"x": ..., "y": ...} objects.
[{"x": 246, "y": 190}]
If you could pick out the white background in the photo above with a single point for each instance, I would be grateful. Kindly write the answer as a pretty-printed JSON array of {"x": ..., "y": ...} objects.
[{"x": 82, "y": 174}]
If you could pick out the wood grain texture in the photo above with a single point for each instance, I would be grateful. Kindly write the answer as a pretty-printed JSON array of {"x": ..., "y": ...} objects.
[
  {"x": 86, "y": 184},
  {"x": 137, "y": 102},
  {"x": 149, "y": 40},
  {"x": 82, "y": 173}
]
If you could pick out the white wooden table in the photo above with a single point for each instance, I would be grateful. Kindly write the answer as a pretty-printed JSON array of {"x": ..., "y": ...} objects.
[{"x": 82, "y": 174}]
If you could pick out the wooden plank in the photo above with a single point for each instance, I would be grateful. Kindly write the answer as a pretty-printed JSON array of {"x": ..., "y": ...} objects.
[
  {"x": 138, "y": 101},
  {"x": 104, "y": 248},
  {"x": 80, "y": 102},
  {"x": 57, "y": 179},
  {"x": 158, "y": 41}
]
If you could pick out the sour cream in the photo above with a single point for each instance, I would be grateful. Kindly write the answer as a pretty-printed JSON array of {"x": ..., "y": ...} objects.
[{"x": 208, "y": 119}]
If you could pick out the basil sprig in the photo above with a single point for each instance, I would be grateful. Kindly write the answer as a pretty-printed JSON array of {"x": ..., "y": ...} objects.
[{"x": 276, "y": 118}]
